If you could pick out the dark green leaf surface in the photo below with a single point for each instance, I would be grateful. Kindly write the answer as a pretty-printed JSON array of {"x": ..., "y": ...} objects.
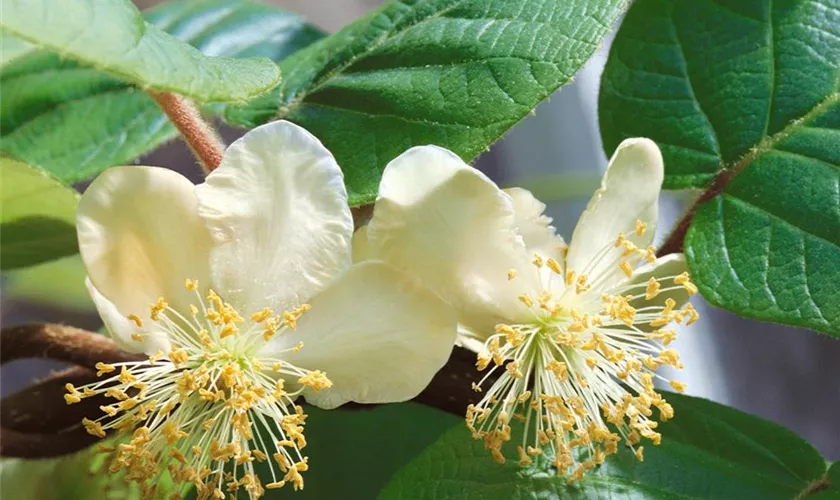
[
  {"x": 749, "y": 93},
  {"x": 113, "y": 36},
  {"x": 75, "y": 121},
  {"x": 708, "y": 451},
  {"x": 456, "y": 73},
  {"x": 353, "y": 453},
  {"x": 37, "y": 216}
]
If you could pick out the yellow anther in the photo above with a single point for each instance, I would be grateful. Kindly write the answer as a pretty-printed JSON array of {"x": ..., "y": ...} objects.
[
  {"x": 178, "y": 356},
  {"x": 641, "y": 227},
  {"x": 678, "y": 386},
  {"x": 526, "y": 299},
  {"x": 93, "y": 428},
  {"x": 652, "y": 289},
  {"x": 626, "y": 268},
  {"x": 620, "y": 240},
  {"x": 191, "y": 285},
  {"x": 263, "y": 315},
  {"x": 640, "y": 453},
  {"x": 193, "y": 311},
  {"x": 650, "y": 254},
  {"x": 511, "y": 274},
  {"x": 103, "y": 368},
  {"x": 138, "y": 337},
  {"x": 570, "y": 277},
  {"x": 317, "y": 380},
  {"x": 554, "y": 266},
  {"x": 538, "y": 261},
  {"x": 136, "y": 319},
  {"x": 228, "y": 330},
  {"x": 157, "y": 308}
]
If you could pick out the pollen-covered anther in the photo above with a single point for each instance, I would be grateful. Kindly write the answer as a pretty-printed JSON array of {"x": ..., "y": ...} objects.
[{"x": 192, "y": 412}]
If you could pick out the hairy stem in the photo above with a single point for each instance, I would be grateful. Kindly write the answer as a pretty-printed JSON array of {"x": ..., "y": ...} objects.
[
  {"x": 61, "y": 343},
  {"x": 203, "y": 141}
]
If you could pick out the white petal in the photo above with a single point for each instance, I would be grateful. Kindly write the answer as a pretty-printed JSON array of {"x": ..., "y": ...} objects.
[
  {"x": 121, "y": 328},
  {"x": 668, "y": 266},
  {"x": 361, "y": 247},
  {"x": 140, "y": 237},
  {"x": 448, "y": 224},
  {"x": 378, "y": 334},
  {"x": 277, "y": 210},
  {"x": 533, "y": 225},
  {"x": 629, "y": 192}
]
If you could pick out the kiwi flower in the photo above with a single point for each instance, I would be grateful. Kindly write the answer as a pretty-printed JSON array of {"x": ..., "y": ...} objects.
[
  {"x": 242, "y": 293},
  {"x": 570, "y": 336}
]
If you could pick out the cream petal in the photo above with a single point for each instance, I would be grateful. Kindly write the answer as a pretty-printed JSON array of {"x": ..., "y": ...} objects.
[
  {"x": 448, "y": 224},
  {"x": 377, "y": 333},
  {"x": 121, "y": 328},
  {"x": 534, "y": 226},
  {"x": 361, "y": 246},
  {"x": 629, "y": 192},
  {"x": 140, "y": 237},
  {"x": 277, "y": 211}
]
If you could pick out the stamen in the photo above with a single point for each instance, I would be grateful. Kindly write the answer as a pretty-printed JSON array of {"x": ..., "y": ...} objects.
[{"x": 192, "y": 412}]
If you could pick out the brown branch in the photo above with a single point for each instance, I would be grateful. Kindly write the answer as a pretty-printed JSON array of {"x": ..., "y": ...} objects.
[
  {"x": 26, "y": 445},
  {"x": 822, "y": 483},
  {"x": 37, "y": 423},
  {"x": 675, "y": 241},
  {"x": 203, "y": 141},
  {"x": 61, "y": 343},
  {"x": 40, "y": 408}
]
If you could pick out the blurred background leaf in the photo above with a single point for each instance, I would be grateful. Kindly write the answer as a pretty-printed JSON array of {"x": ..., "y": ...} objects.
[{"x": 75, "y": 121}]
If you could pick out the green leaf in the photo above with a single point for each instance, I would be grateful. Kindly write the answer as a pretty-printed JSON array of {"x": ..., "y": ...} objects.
[
  {"x": 75, "y": 121},
  {"x": 747, "y": 93},
  {"x": 708, "y": 451},
  {"x": 456, "y": 73},
  {"x": 11, "y": 48},
  {"x": 112, "y": 35},
  {"x": 353, "y": 453},
  {"x": 37, "y": 216},
  {"x": 58, "y": 283}
]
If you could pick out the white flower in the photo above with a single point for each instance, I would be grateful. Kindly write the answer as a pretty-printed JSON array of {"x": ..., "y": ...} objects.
[
  {"x": 573, "y": 334},
  {"x": 242, "y": 292}
]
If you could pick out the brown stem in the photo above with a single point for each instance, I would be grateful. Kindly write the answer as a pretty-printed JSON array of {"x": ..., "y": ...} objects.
[
  {"x": 36, "y": 422},
  {"x": 23, "y": 445},
  {"x": 61, "y": 343},
  {"x": 675, "y": 241},
  {"x": 40, "y": 408},
  {"x": 202, "y": 140}
]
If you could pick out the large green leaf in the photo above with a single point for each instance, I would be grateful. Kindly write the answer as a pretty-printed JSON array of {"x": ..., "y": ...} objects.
[
  {"x": 75, "y": 121},
  {"x": 747, "y": 93},
  {"x": 37, "y": 216},
  {"x": 113, "y": 36},
  {"x": 457, "y": 73},
  {"x": 11, "y": 48},
  {"x": 708, "y": 451},
  {"x": 353, "y": 453}
]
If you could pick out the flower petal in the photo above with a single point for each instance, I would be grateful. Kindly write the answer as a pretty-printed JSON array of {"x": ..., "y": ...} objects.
[
  {"x": 277, "y": 210},
  {"x": 122, "y": 328},
  {"x": 448, "y": 224},
  {"x": 629, "y": 192},
  {"x": 533, "y": 225},
  {"x": 664, "y": 269},
  {"x": 377, "y": 333},
  {"x": 140, "y": 237},
  {"x": 361, "y": 246}
]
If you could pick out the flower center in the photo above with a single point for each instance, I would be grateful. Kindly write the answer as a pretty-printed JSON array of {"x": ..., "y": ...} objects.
[
  {"x": 209, "y": 408},
  {"x": 586, "y": 359}
]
